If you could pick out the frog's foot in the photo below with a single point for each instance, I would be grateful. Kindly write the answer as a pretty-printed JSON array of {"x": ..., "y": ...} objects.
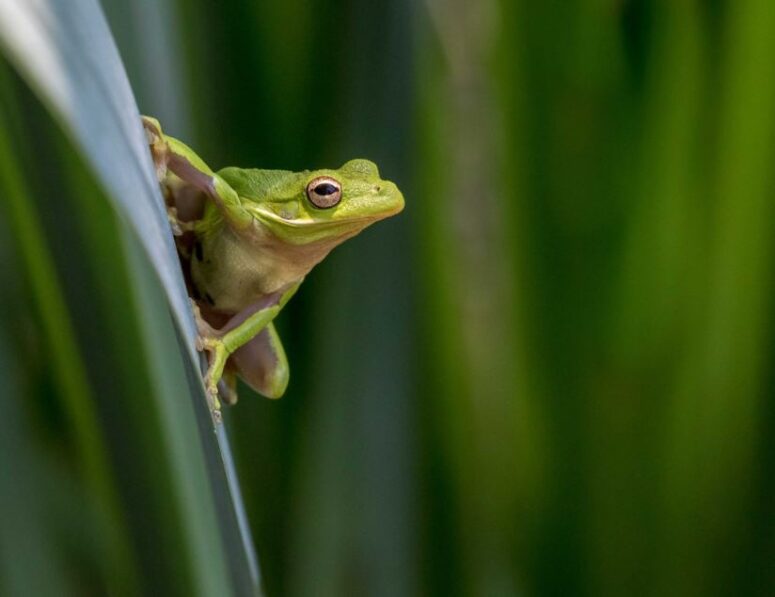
[
  {"x": 215, "y": 406},
  {"x": 178, "y": 226},
  {"x": 175, "y": 225},
  {"x": 207, "y": 340},
  {"x": 217, "y": 356}
]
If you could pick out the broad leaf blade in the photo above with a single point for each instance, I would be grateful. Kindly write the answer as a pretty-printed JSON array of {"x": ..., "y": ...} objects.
[
  {"x": 66, "y": 52},
  {"x": 67, "y": 55}
]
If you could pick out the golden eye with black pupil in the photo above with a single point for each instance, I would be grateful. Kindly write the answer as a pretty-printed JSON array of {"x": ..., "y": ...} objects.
[{"x": 324, "y": 192}]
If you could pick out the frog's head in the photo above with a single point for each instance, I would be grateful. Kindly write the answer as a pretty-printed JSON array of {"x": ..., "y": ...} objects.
[{"x": 320, "y": 205}]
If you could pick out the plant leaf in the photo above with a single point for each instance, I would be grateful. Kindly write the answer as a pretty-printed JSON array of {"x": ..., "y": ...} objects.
[{"x": 66, "y": 54}]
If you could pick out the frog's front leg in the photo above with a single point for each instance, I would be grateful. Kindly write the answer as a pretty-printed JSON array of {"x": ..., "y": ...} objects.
[
  {"x": 240, "y": 330},
  {"x": 261, "y": 362},
  {"x": 206, "y": 331},
  {"x": 219, "y": 346},
  {"x": 174, "y": 156}
]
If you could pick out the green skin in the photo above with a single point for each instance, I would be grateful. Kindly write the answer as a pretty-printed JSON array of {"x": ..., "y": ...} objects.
[{"x": 256, "y": 234}]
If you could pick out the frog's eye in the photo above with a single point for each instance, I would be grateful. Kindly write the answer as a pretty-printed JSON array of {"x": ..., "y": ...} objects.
[{"x": 324, "y": 192}]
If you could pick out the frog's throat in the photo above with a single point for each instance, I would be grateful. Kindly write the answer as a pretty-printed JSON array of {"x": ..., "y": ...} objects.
[
  {"x": 235, "y": 267},
  {"x": 300, "y": 254}
]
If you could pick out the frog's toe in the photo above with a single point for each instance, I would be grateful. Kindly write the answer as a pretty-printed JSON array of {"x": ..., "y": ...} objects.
[
  {"x": 211, "y": 394},
  {"x": 217, "y": 360},
  {"x": 151, "y": 124}
]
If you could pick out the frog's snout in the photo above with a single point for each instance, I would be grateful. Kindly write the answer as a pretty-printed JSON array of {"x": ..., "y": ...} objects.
[{"x": 389, "y": 195}]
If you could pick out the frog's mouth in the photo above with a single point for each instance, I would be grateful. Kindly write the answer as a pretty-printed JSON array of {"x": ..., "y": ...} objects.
[{"x": 265, "y": 214}]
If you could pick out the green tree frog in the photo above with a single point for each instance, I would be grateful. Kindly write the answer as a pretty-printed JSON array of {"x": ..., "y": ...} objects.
[{"x": 247, "y": 238}]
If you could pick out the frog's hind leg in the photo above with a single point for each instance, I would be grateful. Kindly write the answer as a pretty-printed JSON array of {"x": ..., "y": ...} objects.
[{"x": 261, "y": 362}]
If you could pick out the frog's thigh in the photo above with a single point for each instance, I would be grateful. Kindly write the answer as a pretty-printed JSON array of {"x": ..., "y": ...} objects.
[{"x": 261, "y": 362}]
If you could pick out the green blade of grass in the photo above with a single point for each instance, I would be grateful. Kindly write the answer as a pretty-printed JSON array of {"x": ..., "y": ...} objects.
[
  {"x": 67, "y": 56},
  {"x": 66, "y": 53},
  {"x": 57, "y": 327}
]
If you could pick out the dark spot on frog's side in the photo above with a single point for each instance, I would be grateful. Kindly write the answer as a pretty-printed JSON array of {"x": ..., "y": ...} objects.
[{"x": 209, "y": 299}]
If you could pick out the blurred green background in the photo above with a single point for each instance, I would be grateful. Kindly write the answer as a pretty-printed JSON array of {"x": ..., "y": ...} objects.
[{"x": 551, "y": 375}]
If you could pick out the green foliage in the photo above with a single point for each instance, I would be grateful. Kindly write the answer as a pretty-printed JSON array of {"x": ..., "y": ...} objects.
[
  {"x": 549, "y": 375},
  {"x": 148, "y": 500}
]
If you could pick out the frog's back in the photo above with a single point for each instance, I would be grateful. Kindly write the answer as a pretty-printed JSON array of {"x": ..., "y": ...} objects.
[{"x": 258, "y": 185}]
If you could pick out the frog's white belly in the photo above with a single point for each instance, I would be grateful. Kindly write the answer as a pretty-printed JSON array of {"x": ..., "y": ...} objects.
[{"x": 236, "y": 269}]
